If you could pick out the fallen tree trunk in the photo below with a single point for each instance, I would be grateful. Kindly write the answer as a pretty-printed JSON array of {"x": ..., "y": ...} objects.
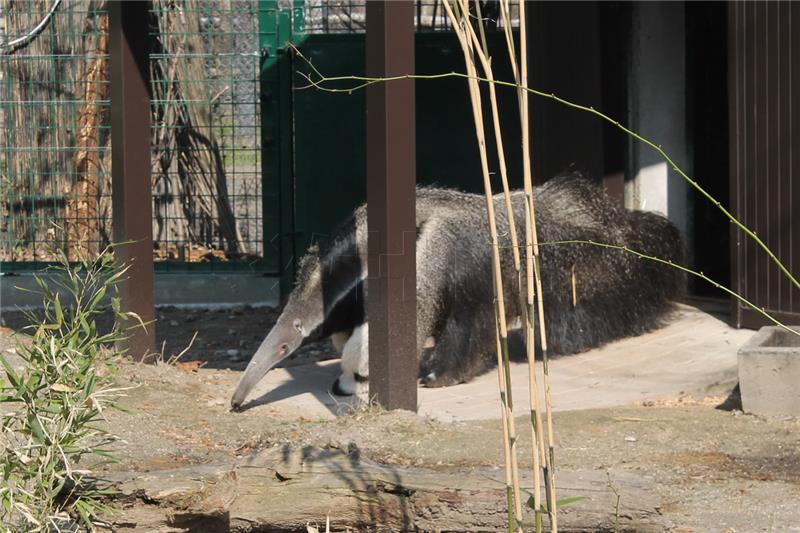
[{"x": 284, "y": 490}]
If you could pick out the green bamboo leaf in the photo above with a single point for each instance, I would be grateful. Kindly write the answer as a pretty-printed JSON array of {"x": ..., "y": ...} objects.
[
  {"x": 59, "y": 310},
  {"x": 84, "y": 325},
  {"x": 32, "y": 384},
  {"x": 7, "y": 505},
  {"x": 563, "y": 502},
  {"x": 41, "y": 283},
  {"x": 12, "y": 376},
  {"x": 36, "y": 429},
  {"x": 23, "y": 289},
  {"x": 85, "y": 514},
  {"x": 98, "y": 297}
]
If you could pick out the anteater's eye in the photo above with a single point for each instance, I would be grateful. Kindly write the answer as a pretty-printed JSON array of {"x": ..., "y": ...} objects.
[
  {"x": 298, "y": 325},
  {"x": 284, "y": 349}
]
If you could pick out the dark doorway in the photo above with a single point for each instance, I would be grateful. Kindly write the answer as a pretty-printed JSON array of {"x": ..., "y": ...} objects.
[{"x": 707, "y": 122}]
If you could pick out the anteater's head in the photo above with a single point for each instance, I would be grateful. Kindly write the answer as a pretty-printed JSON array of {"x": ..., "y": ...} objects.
[
  {"x": 328, "y": 284},
  {"x": 280, "y": 343},
  {"x": 303, "y": 314}
]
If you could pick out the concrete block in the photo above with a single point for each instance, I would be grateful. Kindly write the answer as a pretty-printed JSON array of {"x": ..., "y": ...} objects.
[
  {"x": 182, "y": 289},
  {"x": 769, "y": 372}
]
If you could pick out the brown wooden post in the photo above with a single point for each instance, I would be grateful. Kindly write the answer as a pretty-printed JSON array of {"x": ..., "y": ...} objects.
[
  {"x": 391, "y": 182},
  {"x": 130, "y": 164}
]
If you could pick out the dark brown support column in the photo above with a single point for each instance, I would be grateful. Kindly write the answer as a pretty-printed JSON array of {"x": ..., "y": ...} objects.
[
  {"x": 391, "y": 181},
  {"x": 130, "y": 164}
]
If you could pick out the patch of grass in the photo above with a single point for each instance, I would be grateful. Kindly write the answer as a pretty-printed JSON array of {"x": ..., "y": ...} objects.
[
  {"x": 241, "y": 159},
  {"x": 56, "y": 397}
]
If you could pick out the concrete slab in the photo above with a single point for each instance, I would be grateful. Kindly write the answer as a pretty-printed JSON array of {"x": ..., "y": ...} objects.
[
  {"x": 769, "y": 371},
  {"x": 693, "y": 352}
]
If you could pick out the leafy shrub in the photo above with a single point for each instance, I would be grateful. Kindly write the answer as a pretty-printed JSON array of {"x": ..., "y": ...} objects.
[{"x": 56, "y": 399}]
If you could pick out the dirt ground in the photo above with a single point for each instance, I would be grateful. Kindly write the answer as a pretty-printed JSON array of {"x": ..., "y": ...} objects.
[
  {"x": 226, "y": 338},
  {"x": 713, "y": 469},
  {"x": 708, "y": 466}
]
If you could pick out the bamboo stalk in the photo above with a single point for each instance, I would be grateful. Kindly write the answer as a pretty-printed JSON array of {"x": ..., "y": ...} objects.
[
  {"x": 549, "y": 477},
  {"x": 502, "y": 329},
  {"x": 537, "y": 439},
  {"x": 509, "y": 463},
  {"x": 550, "y": 482},
  {"x": 482, "y": 52},
  {"x": 537, "y": 444},
  {"x": 533, "y": 275}
]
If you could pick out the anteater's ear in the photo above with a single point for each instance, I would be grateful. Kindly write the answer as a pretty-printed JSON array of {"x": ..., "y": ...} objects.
[{"x": 420, "y": 227}]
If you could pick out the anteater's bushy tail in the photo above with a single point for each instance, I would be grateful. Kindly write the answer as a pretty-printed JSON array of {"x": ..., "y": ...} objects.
[{"x": 617, "y": 293}]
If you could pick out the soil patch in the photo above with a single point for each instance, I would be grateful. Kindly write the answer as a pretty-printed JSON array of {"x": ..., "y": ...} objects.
[{"x": 188, "y": 464}]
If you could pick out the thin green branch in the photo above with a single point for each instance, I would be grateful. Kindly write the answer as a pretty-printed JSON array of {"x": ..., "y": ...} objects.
[
  {"x": 682, "y": 268},
  {"x": 364, "y": 81}
]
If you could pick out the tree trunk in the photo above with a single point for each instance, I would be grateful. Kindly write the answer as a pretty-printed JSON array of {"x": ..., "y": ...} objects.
[
  {"x": 284, "y": 489},
  {"x": 82, "y": 206}
]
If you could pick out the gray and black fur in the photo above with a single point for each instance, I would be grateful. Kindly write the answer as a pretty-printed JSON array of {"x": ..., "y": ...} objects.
[{"x": 617, "y": 294}]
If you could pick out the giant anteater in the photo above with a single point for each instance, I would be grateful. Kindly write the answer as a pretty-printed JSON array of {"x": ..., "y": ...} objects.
[{"x": 618, "y": 294}]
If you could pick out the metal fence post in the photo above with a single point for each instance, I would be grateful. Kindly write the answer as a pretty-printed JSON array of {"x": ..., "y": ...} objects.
[
  {"x": 130, "y": 164},
  {"x": 275, "y": 30},
  {"x": 391, "y": 182}
]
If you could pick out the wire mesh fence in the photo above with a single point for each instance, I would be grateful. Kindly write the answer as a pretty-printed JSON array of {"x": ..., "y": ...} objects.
[
  {"x": 53, "y": 129},
  {"x": 55, "y": 151},
  {"x": 206, "y": 131},
  {"x": 55, "y": 156},
  {"x": 349, "y": 16}
]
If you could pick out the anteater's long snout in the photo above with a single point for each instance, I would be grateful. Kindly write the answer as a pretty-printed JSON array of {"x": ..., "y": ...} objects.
[{"x": 284, "y": 339}]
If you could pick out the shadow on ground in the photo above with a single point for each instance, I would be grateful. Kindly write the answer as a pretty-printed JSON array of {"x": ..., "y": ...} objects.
[{"x": 225, "y": 338}]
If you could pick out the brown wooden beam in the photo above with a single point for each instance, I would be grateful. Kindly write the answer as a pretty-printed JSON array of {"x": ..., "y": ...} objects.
[
  {"x": 130, "y": 165},
  {"x": 391, "y": 182}
]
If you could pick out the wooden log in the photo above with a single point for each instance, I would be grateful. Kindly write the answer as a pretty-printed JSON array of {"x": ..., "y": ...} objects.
[{"x": 285, "y": 489}]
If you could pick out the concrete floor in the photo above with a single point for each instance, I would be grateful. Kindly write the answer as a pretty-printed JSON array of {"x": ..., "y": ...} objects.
[{"x": 694, "y": 354}]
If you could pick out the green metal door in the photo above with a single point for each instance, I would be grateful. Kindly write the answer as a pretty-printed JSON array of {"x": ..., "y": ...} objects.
[{"x": 275, "y": 36}]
